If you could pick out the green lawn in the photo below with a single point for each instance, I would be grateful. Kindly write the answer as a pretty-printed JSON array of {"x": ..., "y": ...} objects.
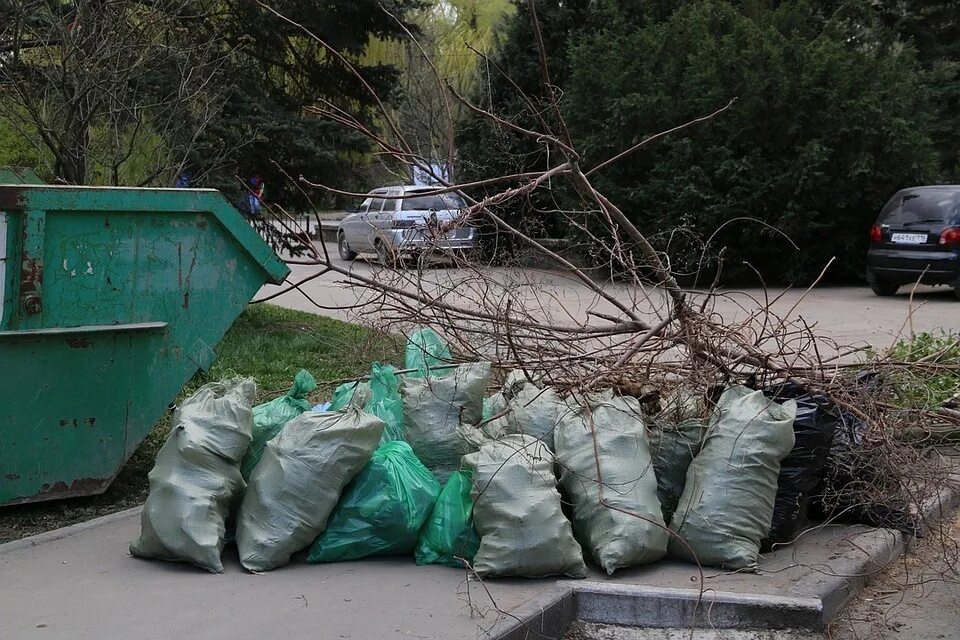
[{"x": 267, "y": 343}]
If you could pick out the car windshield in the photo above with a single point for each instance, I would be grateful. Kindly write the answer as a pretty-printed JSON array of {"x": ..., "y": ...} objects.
[
  {"x": 437, "y": 202},
  {"x": 926, "y": 206}
]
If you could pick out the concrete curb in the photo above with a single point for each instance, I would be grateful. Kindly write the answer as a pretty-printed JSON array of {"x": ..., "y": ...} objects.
[
  {"x": 642, "y": 606},
  {"x": 546, "y": 615},
  {"x": 882, "y": 551},
  {"x": 66, "y": 532},
  {"x": 549, "y": 614}
]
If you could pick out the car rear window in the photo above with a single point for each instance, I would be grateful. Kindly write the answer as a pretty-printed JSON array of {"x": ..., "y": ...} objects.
[
  {"x": 437, "y": 202},
  {"x": 924, "y": 206}
]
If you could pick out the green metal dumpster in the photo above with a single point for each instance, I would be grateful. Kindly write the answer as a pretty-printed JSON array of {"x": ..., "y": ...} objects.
[{"x": 110, "y": 300}]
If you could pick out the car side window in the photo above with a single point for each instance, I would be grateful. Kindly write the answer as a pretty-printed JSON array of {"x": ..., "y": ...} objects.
[
  {"x": 365, "y": 205},
  {"x": 390, "y": 205},
  {"x": 376, "y": 205}
]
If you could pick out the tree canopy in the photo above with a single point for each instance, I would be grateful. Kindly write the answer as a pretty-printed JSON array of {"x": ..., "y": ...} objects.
[{"x": 837, "y": 108}]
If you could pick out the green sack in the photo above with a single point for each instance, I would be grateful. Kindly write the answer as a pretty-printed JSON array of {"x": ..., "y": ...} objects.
[
  {"x": 350, "y": 394},
  {"x": 449, "y": 533},
  {"x": 518, "y": 514},
  {"x": 619, "y": 521},
  {"x": 727, "y": 504},
  {"x": 426, "y": 349},
  {"x": 196, "y": 478},
  {"x": 674, "y": 448},
  {"x": 296, "y": 486},
  {"x": 382, "y": 510},
  {"x": 385, "y": 402},
  {"x": 269, "y": 418}
]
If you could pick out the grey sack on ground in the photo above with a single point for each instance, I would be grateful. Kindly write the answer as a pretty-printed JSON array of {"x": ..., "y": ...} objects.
[
  {"x": 727, "y": 502},
  {"x": 196, "y": 478},
  {"x": 517, "y": 512},
  {"x": 617, "y": 515},
  {"x": 298, "y": 482},
  {"x": 673, "y": 447}
]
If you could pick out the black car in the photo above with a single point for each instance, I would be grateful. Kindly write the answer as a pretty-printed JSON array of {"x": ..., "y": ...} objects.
[{"x": 916, "y": 237}]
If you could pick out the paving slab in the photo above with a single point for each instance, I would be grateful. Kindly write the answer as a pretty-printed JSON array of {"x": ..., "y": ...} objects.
[{"x": 85, "y": 585}]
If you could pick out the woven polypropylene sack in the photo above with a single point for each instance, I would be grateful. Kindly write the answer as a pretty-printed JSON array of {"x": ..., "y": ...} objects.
[
  {"x": 269, "y": 417},
  {"x": 196, "y": 478},
  {"x": 517, "y": 512},
  {"x": 382, "y": 510},
  {"x": 298, "y": 482},
  {"x": 433, "y": 409},
  {"x": 448, "y": 534},
  {"x": 536, "y": 412},
  {"x": 427, "y": 354},
  {"x": 523, "y": 406},
  {"x": 673, "y": 447},
  {"x": 617, "y": 515},
  {"x": 727, "y": 502}
]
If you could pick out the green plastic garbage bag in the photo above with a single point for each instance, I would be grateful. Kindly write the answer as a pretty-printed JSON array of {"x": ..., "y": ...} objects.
[
  {"x": 517, "y": 512},
  {"x": 269, "y": 418},
  {"x": 426, "y": 349},
  {"x": 196, "y": 478},
  {"x": 616, "y": 513},
  {"x": 385, "y": 401},
  {"x": 382, "y": 510},
  {"x": 727, "y": 504},
  {"x": 433, "y": 409},
  {"x": 449, "y": 533},
  {"x": 355, "y": 394},
  {"x": 674, "y": 447},
  {"x": 299, "y": 481}
]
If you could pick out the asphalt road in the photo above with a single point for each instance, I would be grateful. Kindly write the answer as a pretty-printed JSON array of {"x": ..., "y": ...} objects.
[{"x": 848, "y": 315}]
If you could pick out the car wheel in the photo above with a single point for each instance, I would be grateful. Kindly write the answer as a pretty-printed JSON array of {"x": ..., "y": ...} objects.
[
  {"x": 385, "y": 253},
  {"x": 344, "y": 249},
  {"x": 884, "y": 288}
]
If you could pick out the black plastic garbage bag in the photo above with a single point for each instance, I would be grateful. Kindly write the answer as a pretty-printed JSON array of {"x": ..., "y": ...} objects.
[
  {"x": 855, "y": 482},
  {"x": 802, "y": 471},
  {"x": 833, "y": 473}
]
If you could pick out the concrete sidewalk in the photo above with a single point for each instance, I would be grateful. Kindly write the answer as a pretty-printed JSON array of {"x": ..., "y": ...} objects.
[{"x": 85, "y": 585}]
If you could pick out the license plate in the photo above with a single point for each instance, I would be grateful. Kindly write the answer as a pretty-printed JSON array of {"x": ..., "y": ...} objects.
[{"x": 908, "y": 238}]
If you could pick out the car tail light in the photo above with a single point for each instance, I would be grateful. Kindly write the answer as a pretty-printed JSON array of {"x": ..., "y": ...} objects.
[
  {"x": 950, "y": 237},
  {"x": 876, "y": 234}
]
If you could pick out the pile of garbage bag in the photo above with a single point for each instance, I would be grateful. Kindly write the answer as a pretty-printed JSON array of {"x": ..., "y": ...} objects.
[{"x": 433, "y": 462}]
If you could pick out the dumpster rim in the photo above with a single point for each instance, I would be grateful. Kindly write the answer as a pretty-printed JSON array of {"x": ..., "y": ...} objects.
[{"x": 205, "y": 200}]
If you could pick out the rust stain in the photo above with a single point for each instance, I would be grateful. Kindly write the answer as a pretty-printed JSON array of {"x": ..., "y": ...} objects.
[
  {"x": 12, "y": 476},
  {"x": 80, "y": 486},
  {"x": 179, "y": 264},
  {"x": 31, "y": 278},
  {"x": 186, "y": 299},
  {"x": 79, "y": 343}
]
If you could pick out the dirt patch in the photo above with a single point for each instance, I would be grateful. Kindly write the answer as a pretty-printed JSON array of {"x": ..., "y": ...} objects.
[{"x": 918, "y": 597}]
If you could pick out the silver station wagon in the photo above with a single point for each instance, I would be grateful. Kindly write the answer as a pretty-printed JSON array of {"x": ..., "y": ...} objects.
[{"x": 397, "y": 221}]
